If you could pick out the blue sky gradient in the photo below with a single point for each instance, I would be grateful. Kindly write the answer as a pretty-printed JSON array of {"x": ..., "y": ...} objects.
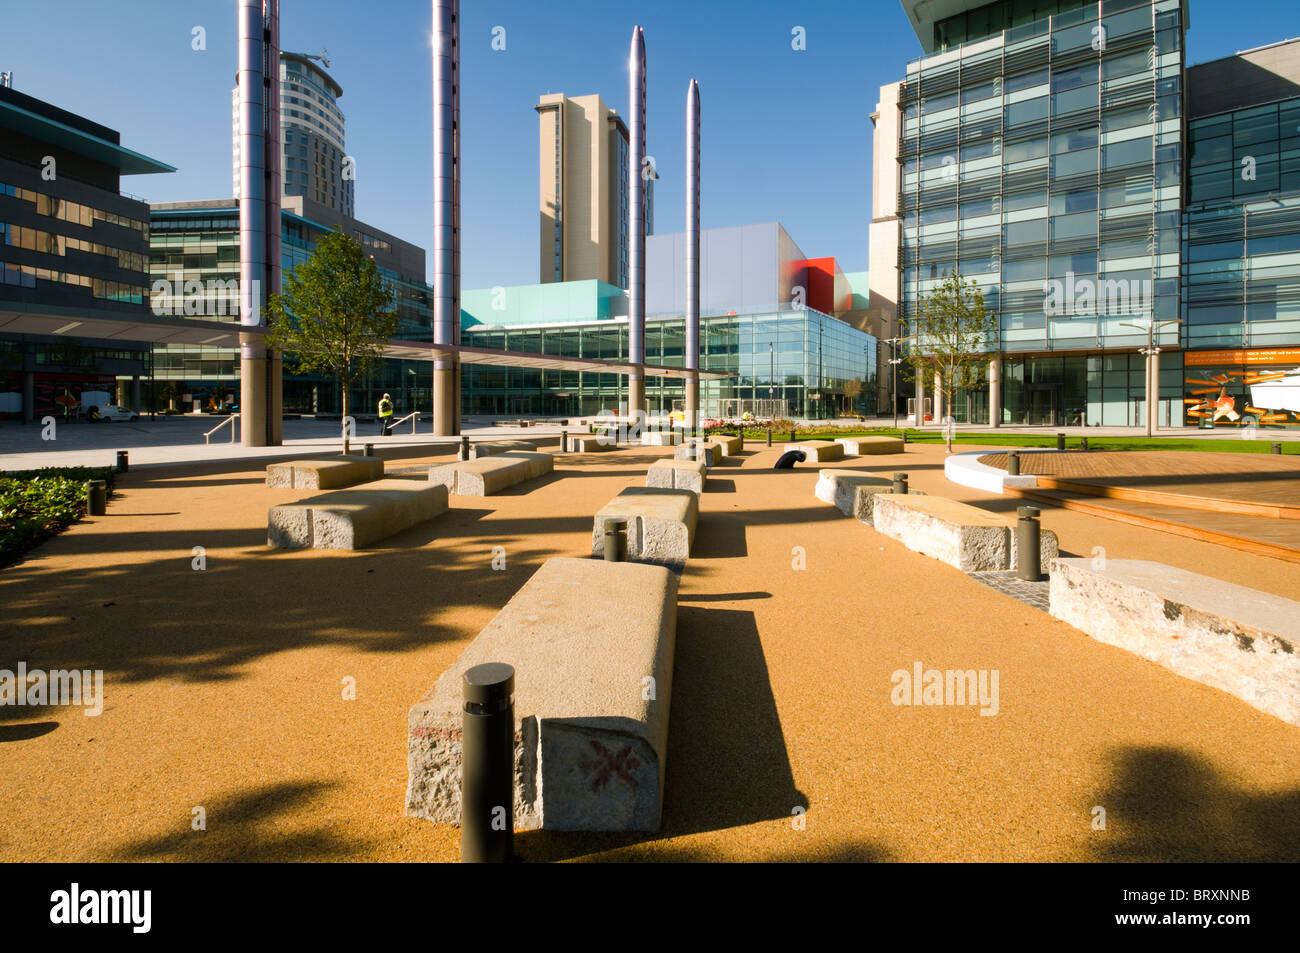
[{"x": 786, "y": 134}]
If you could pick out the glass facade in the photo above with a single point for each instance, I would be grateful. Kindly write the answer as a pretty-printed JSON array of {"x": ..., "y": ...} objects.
[
  {"x": 194, "y": 266},
  {"x": 1042, "y": 156},
  {"x": 801, "y": 357}
]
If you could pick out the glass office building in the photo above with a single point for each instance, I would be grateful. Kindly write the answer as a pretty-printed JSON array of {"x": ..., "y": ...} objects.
[
  {"x": 793, "y": 362},
  {"x": 1043, "y": 143},
  {"x": 194, "y": 267},
  {"x": 1060, "y": 154}
]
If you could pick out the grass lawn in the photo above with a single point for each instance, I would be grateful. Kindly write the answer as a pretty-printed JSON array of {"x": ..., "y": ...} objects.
[{"x": 994, "y": 438}]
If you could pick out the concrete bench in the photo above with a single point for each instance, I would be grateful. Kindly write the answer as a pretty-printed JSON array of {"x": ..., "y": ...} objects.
[
  {"x": 1239, "y": 640},
  {"x": 351, "y": 519},
  {"x": 706, "y": 452},
  {"x": 487, "y": 475},
  {"x": 328, "y": 474},
  {"x": 660, "y": 438},
  {"x": 851, "y": 491},
  {"x": 964, "y": 536},
  {"x": 492, "y": 448},
  {"x": 862, "y": 446},
  {"x": 591, "y": 443},
  {"x": 678, "y": 474},
  {"x": 591, "y": 701},
  {"x": 818, "y": 450},
  {"x": 731, "y": 445},
  {"x": 660, "y": 524}
]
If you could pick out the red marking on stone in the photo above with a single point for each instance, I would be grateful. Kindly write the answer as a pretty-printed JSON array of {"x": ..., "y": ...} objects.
[{"x": 610, "y": 765}]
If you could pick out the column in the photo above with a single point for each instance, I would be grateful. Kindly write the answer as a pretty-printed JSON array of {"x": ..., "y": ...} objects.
[{"x": 995, "y": 391}]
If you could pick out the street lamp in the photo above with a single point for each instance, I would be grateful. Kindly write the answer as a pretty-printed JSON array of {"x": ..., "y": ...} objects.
[
  {"x": 894, "y": 361},
  {"x": 1150, "y": 352}
]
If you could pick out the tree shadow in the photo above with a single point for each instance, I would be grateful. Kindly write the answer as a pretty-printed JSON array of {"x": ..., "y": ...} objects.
[
  {"x": 26, "y": 731},
  {"x": 727, "y": 763},
  {"x": 244, "y": 827},
  {"x": 1165, "y": 804}
]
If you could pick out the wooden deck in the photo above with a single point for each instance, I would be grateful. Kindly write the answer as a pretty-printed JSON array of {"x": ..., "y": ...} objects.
[{"x": 1248, "y": 501}]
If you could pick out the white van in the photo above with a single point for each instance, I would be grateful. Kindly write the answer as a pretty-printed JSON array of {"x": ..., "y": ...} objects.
[{"x": 107, "y": 411}]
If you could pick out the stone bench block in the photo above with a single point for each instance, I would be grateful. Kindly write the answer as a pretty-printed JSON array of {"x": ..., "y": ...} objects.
[
  {"x": 851, "y": 491},
  {"x": 816, "y": 451},
  {"x": 1239, "y": 640},
  {"x": 487, "y": 475},
  {"x": 591, "y": 443},
  {"x": 862, "y": 446},
  {"x": 354, "y": 518},
  {"x": 492, "y": 448},
  {"x": 731, "y": 445},
  {"x": 708, "y": 453},
  {"x": 591, "y": 701},
  {"x": 963, "y": 536},
  {"x": 660, "y": 524},
  {"x": 327, "y": 474},
  {"x": 660, "y": 438},
  {"x": 678, "y": 474}
]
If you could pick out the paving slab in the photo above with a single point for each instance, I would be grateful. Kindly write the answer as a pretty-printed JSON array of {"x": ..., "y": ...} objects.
[
  {"x": 325, "y": 474},
  {"x": 354, "y": 518}
]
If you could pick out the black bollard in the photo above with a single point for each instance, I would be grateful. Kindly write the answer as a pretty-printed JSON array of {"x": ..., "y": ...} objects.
[
  {"x": 904, "y": 438},
  {"x": 1083, "y": 443},
  {"x": 769, "y": 436},
  {"x": 123, "y": 462},
  {"x": 1028, "y": 545},
  {"x": 1275, "y": 448},
  {"x": 564, "y": 441},
  {"x": 464, "y": 448},
  {"x": 487, "y": 792},
  {"x": 616, "y": 539},
  {"x": 96, "y": 497},
  {"x": 900, "y": 483},
  {"x": 792, "y": 435},
  {"x": 1013, "y": 463},
  {"x": 370, "y": 449},
  {"x": 1060, "y": 441}
]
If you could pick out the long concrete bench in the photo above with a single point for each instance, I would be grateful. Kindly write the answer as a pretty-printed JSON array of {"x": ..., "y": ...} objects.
[
  {"x": 817, "y": 450},
  {"x": 731, "y": 444},
  {"x": 678, "y": 474},
  {"x": 706, "y": 452},
  {"x": 964, "y": 536},
  {"x": 487, "y": 475},
  {"x": 328, "y": 474},
  {"x": 591, "y": 443},
  {"x": 492, "y": 448},
  {"x": 1239, "y": 640},
  {"x": 661, "y": 438},
  {"x": 862, "y": 446},
  {"x": 351, "y": 519},
  {"x": 591, "y": 701},
  {"x": 660, "y": 524}
]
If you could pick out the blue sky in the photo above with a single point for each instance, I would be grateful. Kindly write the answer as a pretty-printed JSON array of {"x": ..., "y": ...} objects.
[{"x": 786, "y": 134}]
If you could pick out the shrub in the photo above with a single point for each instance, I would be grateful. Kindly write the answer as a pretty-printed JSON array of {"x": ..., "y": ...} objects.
[{"x": 38, "y": 504}]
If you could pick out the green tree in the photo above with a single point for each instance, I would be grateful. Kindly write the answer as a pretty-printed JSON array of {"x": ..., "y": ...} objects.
[
  {"x": 852, "y": 390},
  {"x": 336, "y": 313},
  {"x": 952, "y": 333}
]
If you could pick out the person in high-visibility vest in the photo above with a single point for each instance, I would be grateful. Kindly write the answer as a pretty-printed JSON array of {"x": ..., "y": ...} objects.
[{"x": 385, "y": 414}]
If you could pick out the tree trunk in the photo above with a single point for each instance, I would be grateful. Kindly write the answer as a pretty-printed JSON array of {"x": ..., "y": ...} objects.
[{"x": 345, "y": 382}]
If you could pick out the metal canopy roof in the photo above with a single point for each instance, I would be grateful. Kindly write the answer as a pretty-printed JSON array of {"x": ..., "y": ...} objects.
[
  {"x": 127, "y": 162},
  {"x": 193, "y": 331}
]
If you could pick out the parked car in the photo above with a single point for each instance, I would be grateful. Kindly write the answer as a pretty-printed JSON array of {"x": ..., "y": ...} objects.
[{"x": 103, "y": 409}]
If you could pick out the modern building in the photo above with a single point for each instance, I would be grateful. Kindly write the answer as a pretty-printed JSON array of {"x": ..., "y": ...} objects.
[
  {"x": 768, "y": 315},
  {"x": 194, "y": 272},
  {"x": 582, "y": 190},
  {"x": 1061, "y": 154},
  {"x": 73, "y": 250},
  {"x": 315, "y": 162}
]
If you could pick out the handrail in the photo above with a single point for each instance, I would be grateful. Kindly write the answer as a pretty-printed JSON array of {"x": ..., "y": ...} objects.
[
  {"x": 207, "y": 437},
  {"x": 413, "y": 414}
]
